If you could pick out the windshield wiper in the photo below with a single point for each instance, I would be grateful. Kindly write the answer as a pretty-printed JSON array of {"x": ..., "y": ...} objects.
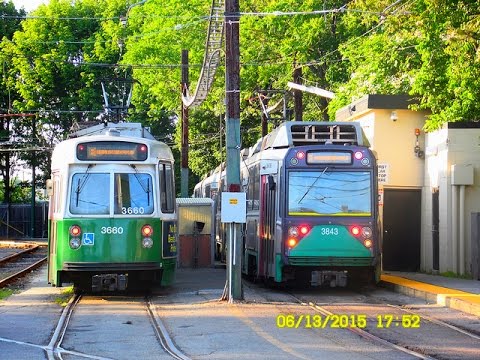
[
  {"x": 311, "y": 186},
  {"x": 81, "y": 183},
  {"x": 147, "y": 189}
]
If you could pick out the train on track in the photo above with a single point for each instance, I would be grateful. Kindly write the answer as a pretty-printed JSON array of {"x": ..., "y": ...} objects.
[
  {"x": 112, "y": 214},
  {"x": 312, "y": 205}
]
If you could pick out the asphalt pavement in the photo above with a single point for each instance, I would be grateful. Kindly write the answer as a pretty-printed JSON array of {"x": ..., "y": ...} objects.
[{"x": 205, "y": 327}]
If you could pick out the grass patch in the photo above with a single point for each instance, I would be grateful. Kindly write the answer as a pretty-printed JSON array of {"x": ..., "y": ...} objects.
[
  {"x": 451, "y": 274},
  {"x": 65, "y": 296},
  {"x": 5, "y": 293}
]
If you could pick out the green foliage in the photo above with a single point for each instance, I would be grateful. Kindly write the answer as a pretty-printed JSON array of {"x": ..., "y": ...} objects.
[
  {"x": 426, "y": 48},
  {"x": 5, "y": 293},
  {"x": 65, "y": 296},
  {"x": 451, "y": 274},
  {"x": 58, "y": 59},
  {"x": 20, "y": 192}
]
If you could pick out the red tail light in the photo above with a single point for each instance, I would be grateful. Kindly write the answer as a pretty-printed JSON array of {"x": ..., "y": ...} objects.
[
  {"x": 147, "y": 230},
  {"x": 75, "y": 230},
  {"x": 295, "y": 234},
  {"x": 304, "y": 229},
  {"x": 355, "y": 230}
]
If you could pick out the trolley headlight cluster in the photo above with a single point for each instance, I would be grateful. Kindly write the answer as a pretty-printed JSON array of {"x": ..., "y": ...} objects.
[
  {"x": 295, "y": 234},
  {"x": 75, "y": 231},
  {"x": 147, "y": 232},
  {"x": 364, "y": 233}
]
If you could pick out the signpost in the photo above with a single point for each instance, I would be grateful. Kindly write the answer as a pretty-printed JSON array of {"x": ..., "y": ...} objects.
[{"x": 234, "y": 212}]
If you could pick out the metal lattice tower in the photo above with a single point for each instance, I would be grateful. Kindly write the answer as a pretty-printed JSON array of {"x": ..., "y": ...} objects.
[{"x": 213, "y": 45}]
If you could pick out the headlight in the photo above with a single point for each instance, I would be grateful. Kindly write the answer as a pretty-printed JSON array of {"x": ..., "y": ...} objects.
[
  {"x": 367, "y": 232},
  {"x": 75, "y": 243},
  {"x": 293, "y": 231},
  {"x": 147, "y": 242}
]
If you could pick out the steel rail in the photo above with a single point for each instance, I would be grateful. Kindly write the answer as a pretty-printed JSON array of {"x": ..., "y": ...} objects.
[
  {"x": 53, "y": 346},
  {"x": 54, "y": 349},
  {"x": 363, "y": 333},
  {"x": 437, "y": 322},
  {"x": 22, "y": 272},
  {"x": 162, "y": 333},
  {"x": 19, "y": 254}
]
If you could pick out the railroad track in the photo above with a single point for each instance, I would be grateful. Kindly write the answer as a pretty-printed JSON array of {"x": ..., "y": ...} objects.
[
  {"x": 55, "y": 351},
  {"x": 18, "y": 264},
  {"x": 395, "y": 327}
]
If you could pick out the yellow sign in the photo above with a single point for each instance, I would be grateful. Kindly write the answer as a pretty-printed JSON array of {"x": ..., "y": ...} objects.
[{"x": 233, "y": 201}]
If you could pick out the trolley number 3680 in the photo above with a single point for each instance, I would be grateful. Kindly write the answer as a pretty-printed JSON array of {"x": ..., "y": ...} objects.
[{"x": 111, "y": 230}]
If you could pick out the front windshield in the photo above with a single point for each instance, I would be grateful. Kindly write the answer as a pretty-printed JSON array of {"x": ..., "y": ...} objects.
[
  {"x": 91, "y": 194},
  {"x": 133, "y": 194},
  {"x": 329, "y": 193}
]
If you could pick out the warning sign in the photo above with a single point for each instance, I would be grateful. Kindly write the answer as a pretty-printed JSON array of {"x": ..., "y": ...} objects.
[
  {"x": 383, "y": 171},
  {"x": 380, "y": 197},
  {"x": 234, "y": 207}
]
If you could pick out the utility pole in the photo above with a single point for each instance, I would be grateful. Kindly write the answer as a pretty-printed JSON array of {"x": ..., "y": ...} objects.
[
  {"x": 184, "y": 168},
  {"x": 297, "y": 94},
  {"x": 232, "y": 95},
  {"x": 34, "y": 137}
]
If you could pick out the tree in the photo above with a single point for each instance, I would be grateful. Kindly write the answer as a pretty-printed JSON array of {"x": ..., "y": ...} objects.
[
  {"x": 426, "y": 48},
  {"x": 270, "y": 48},
  {"x": 51, "y": 65},
  {"x": 10, "y": 23}
]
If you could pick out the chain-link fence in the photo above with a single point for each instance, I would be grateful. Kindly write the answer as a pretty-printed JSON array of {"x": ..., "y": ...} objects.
[{"x": 16, "y": 223}]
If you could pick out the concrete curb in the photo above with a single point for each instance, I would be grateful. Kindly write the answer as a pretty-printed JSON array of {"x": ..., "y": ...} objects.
[{"x": 455, "y": 299}]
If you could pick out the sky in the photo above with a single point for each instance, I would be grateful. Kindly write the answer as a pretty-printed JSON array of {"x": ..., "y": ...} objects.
[{"x": 28, "y": 5}]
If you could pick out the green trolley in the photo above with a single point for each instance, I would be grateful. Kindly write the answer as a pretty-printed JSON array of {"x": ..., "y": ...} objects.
[{"x": 112, "y": 214}]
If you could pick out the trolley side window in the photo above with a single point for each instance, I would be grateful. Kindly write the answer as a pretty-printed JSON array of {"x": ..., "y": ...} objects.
[
  {"x": 167, "y": 189},
  {"x": 56, "y": 193},
  {"x": 90, "y": 194},
  {"x": 133, "y": 194},
  {"x": 330, "y": 193}
]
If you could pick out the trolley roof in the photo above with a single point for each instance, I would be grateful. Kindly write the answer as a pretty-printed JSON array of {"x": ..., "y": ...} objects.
[
  {"x": 297, "y": 133},
  {"x": 65, "y": 152}
]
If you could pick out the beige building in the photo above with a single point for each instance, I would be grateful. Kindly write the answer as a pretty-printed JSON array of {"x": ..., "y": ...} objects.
[{"x": 429, "y": 186}]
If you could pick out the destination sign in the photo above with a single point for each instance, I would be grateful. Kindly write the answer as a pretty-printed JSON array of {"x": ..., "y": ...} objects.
[
  {"x": 329, "y": 157},
  {"x": 112, "y": 151}
]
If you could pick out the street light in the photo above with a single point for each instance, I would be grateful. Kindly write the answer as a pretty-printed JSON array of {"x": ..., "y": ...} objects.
[{"x": 124, "y": 19}]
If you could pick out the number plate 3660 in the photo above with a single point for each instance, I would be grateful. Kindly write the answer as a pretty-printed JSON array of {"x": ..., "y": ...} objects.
[{"x": 111, "y": 230}]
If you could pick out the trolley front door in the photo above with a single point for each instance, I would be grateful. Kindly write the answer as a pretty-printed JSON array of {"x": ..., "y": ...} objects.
[{"x": 267, "y": 227}]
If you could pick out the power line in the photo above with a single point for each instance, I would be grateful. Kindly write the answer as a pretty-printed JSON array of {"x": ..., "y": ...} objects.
[{"x": 253, "y": 14}]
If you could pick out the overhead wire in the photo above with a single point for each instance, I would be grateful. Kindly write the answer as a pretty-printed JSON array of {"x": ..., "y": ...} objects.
[
  {"x": 266, "y": 62},
  {"x": 178, "y": 27},
  {"x": 153, "y": 16}
]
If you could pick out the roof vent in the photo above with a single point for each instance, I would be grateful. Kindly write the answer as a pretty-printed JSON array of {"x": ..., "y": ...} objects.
[
  {"x": 113, "y": 132},
  {"x": 305, "y": 134}
]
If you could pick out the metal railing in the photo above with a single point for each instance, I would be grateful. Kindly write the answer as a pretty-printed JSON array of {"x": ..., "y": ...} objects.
[{"x": 213, "y": 46}]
